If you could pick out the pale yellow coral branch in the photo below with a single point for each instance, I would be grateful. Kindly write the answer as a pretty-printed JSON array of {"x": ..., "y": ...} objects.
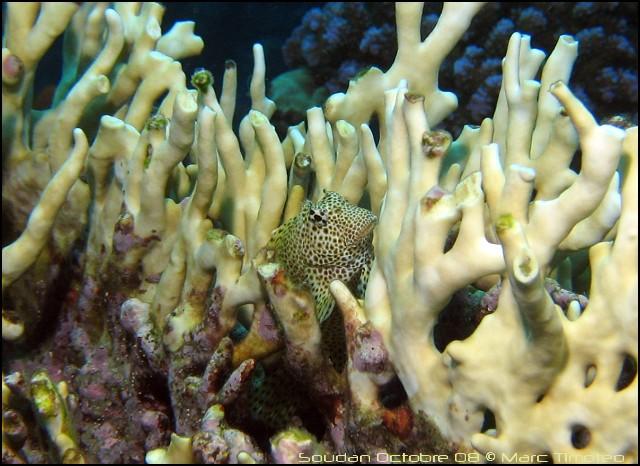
[{"x": 23, "y": 252}]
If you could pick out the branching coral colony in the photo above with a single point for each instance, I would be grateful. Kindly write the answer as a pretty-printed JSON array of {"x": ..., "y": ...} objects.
[{"x": 146, "y": 317}]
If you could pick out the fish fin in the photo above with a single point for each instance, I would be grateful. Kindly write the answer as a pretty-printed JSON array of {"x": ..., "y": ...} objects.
[
  {"x": 361, "y": 286},
  {"x": 324, "y": 304}
]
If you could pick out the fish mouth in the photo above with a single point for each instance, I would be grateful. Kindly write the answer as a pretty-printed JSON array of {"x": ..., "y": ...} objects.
[{"x": 366, "y": 231}]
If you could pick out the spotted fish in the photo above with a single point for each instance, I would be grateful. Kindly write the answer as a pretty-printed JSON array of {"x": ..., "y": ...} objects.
[{"x": 330, "y": 240}]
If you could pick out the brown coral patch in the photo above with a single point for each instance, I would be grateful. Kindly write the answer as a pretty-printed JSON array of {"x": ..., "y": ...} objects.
[{"x": 399, "y": 420}]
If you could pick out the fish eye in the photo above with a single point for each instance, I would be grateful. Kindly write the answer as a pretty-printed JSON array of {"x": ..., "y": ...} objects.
[{"x": 318, "y": 216}]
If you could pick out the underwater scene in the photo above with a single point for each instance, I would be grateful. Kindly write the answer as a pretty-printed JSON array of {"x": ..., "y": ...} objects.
[{"x": 319, "y": 233}]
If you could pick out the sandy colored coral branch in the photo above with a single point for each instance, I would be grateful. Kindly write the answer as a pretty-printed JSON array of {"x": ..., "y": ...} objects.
[
  {"x": 416, "y": 61},
  {"x": 20, "y": 254}
]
